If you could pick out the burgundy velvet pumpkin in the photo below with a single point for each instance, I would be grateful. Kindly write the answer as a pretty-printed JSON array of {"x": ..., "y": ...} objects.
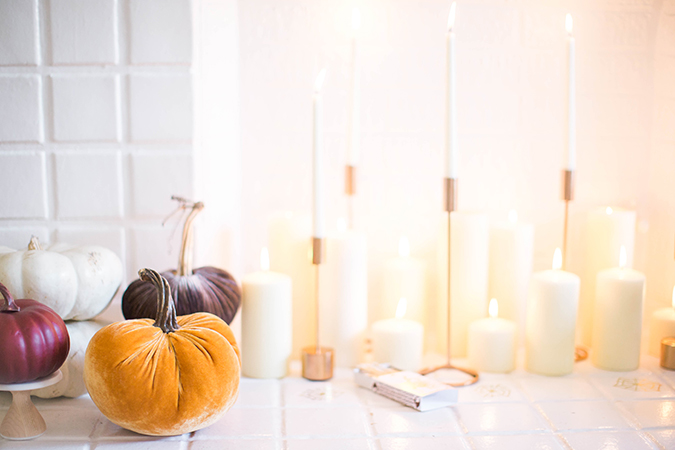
[
  {"x": 34, "y": 340},
  {"x": 206, "y": 289}
]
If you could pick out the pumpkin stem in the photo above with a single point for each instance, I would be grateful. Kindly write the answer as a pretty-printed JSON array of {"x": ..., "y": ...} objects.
[
  {"x": 8, "y": 305},
  {"x": 187, "y": 240},
  {"x": 34, "y": 243},
  {"x": 165, "y": 318}
]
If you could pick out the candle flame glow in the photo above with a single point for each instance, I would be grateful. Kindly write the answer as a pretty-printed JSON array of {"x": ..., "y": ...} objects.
[
  {"x": 568, "y": 23},
  {"x": 513, "y": 216},
  {"x": 403, "y": 247},
  {"x": 609, "y": 210},
  {"x": 451, "y": 16},
  {"x": 401, "y": 308},
  {"x": 341, "y": 225},
  {"x": 557, "y": 259},
  {"x": 622, "y": 257},
  {"x": 493, "y": 309},
  {"x": 265, "y": 259},
  {"x": 356, "y": 19},
  {"x": 318, "y": 83}
]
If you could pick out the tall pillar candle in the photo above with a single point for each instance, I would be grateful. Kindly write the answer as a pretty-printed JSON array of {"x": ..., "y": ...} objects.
[
  {"x": 492, "y": 343},
  {"x": 266, "y": 316},
  {"x": 551, "y": 320},
  {"x": 344, "y": 296},
  {"x": 290, "y": 253},
  {"x": 404, "y": 277},
  {"x": 399, "y": 341},
  {"x": 469, "y": 284},
  {"x": 617, "y": 322},
  {"x": 607, "y": 230},
  {"x": 511, "y": 254},
  {"x": 661, "y": 325}
]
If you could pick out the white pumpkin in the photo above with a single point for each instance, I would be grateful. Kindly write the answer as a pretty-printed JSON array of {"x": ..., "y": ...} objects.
[
  {"x": 76, "y": 282},
  {"x": 72, "y": 383}
]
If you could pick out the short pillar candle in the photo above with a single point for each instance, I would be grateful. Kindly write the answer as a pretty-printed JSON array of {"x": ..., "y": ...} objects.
[
  {"x": 399, "y": 341},
  {"x": 492, "y": 343},
  {"x": 662, "y": 325}
]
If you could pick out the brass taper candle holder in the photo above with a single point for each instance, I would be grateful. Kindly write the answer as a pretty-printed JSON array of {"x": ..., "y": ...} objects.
[
  {"x": 567, "y": 195},
  {"x": 450, "y": 201},
  {"x": 317, "y": 361}
]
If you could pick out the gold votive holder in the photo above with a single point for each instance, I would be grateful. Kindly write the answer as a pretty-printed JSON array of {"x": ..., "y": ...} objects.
[
  {"x": 668, "y": 353},
  {"x": 317, "y": 363}
]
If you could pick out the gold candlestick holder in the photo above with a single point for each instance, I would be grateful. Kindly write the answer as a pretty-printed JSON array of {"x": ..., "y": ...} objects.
[
  {"x": 350, "y": 191},
  {"x": 567, "y": 195},
  {"x": 450, "y": 197},
  {"x": 317, "y": 361}
]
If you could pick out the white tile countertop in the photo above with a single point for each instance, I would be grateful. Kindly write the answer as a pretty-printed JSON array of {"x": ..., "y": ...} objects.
[{"x": 590, "y": 409}]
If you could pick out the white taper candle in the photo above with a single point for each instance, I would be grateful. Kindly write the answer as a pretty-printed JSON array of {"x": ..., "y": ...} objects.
[
  {"x": 318, "y": 219},
  {"x": 450, "y": 102},
  {"x": 571, "y": 151},
  {"x": 353, "y": 142}
]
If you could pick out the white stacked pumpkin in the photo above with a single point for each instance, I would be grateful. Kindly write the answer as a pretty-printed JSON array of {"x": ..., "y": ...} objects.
[{"x": 78, "y": 282}]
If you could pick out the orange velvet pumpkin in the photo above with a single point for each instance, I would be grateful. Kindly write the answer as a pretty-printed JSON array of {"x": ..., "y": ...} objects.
[{"x": 166, "y": 377}]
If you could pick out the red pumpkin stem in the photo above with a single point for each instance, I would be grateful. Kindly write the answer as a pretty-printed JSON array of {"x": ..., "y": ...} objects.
[
  {"x": 187, "y": 240},
  {"x": 34, "y": 243},
  {"x": 8, "y": 305},
  {"x": 165, "y": 318}
]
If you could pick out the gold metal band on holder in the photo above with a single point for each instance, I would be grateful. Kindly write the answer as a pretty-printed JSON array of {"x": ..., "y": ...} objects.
[
  {"x": 567, "y": 194},
  {"x": 450, "y": 194},
  {"x": 350, "y": 180},
  {"x": 318, "y": 246}
]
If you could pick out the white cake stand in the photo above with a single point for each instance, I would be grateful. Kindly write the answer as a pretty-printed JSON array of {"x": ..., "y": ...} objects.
[{"x": 23, "y": 421}]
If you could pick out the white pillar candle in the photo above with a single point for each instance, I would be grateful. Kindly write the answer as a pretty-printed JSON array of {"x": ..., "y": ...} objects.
[
  {"x": 617, "y": 322},
  {"x": 404, "y": 277},
  {"x": 399, "y": 341},
  {"x": 344, "y": 295},
  {"x": 492, "y": 343},
  {"x": 606, "y": 231},
  {"x": 266, "y": 322},
  {"x": 551, "y": 320},
  {"x": 353, "y": 136},
  {"x": 450, "y": 99},
  {"x": 661, "y": 325},
  {"x": 290, "y": 253},
  {"x": 318, "y": 231},
  {"x": 511, "y": 254},
  {"x": 570, "y": 149},
  {"x": 470, "y": 240}
]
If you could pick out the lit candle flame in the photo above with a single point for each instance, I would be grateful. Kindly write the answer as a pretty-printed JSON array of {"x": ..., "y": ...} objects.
[
  {"x": 609, "y": 210},
  {"x": 403, "y": 247},
  {"x": 493, "y": 309},
  {"x": 557, "y": 259},
  {"x": 318, "y": 83},
  {"x": 622, "y": 257},
  {"x": 513, "y": 216},
  {"x": 341, "y": 225},
  {"x": 568, "y": 23},
  {"x": 356, "y": 19},
  {"x": 401, "y": 308},
  {"x": 265, "y": 259},
  {"x": 451, "y": 16}
]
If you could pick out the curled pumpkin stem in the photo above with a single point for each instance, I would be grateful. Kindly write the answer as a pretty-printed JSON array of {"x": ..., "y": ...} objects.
[
  {"x": 34, "y": 243},
  {"x": 187, "y": 240},
  {"x": 8, "y": 305},
  {"x": 165, "y": 318}
]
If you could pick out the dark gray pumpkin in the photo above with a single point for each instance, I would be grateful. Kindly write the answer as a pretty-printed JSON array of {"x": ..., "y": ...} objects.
[{"x": 207, "y": 289}]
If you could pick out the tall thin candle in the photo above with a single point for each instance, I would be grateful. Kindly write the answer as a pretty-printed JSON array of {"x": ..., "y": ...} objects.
[
  {"x": 353, "y": 143},
  {"x": 571, "y": 152},
  {"x": 450, "y": 103},
  {"x": 318, "y": 150}
]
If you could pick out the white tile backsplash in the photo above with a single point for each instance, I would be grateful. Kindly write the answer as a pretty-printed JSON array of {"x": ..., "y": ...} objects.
[
  {"x": 21, "y": 112},
  {"x": 19, "y": 32},
  {"x": 22, "y": 184},
  {"x": 19, "y": 237},
  {"x": 88, "y": 185},
  {"x": 155, "y": 247},
  {"x": 615, "y": 440},
  {"x": 161, "y": 31},
  {"x": 86, "y": 107},
  {"x": 83, "y": 32},
  {"x": 160, "y": 107},
  {"x": 155, "y": 178}
]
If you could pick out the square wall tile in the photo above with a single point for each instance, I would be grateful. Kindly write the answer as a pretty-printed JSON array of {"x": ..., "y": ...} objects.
[
  {"x": 40, "y": 444},
  {"x": 665, "y": 437},
  {"x": 86, "y": 107},
  {"x": 161, "y": 107},
  {"x": 559, "y": 388},
  {"x": 584, "y": 415},
  {"x": 236, "y": 444},
  {"x": 255, "y": 392},
  {"x": 21, "y": 112},
  {"x": 19, "y": 237},
  {"x": 161, "y": 31},
  {"x": 110, "y": 238},
  {"x": 83, "y": 31},
  {"x": 88, "y": 184},
  {"x": 155, "y": 178},
  {"x": 517, "y": 442},
  {"x": 245, "y": 422},
  {"x": 23, "y": 186},
  {"x": 426, "y": 443},
  {"x": 500, "y": 417},
  {"x": 335, "y": 422},
  {"x": 153, "y": 246},
  {"x": 329, "y": 444},
  {"x": 19, "y": 43},
  {"x": 145, "y": 444},
  {"x": 319, "y": 395},
  {"x": 401, "y": 420},
  {"x": 594, "y": 440},
  {"x": 651, "y": 413},
  {"x": 71, "y": 423}
]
